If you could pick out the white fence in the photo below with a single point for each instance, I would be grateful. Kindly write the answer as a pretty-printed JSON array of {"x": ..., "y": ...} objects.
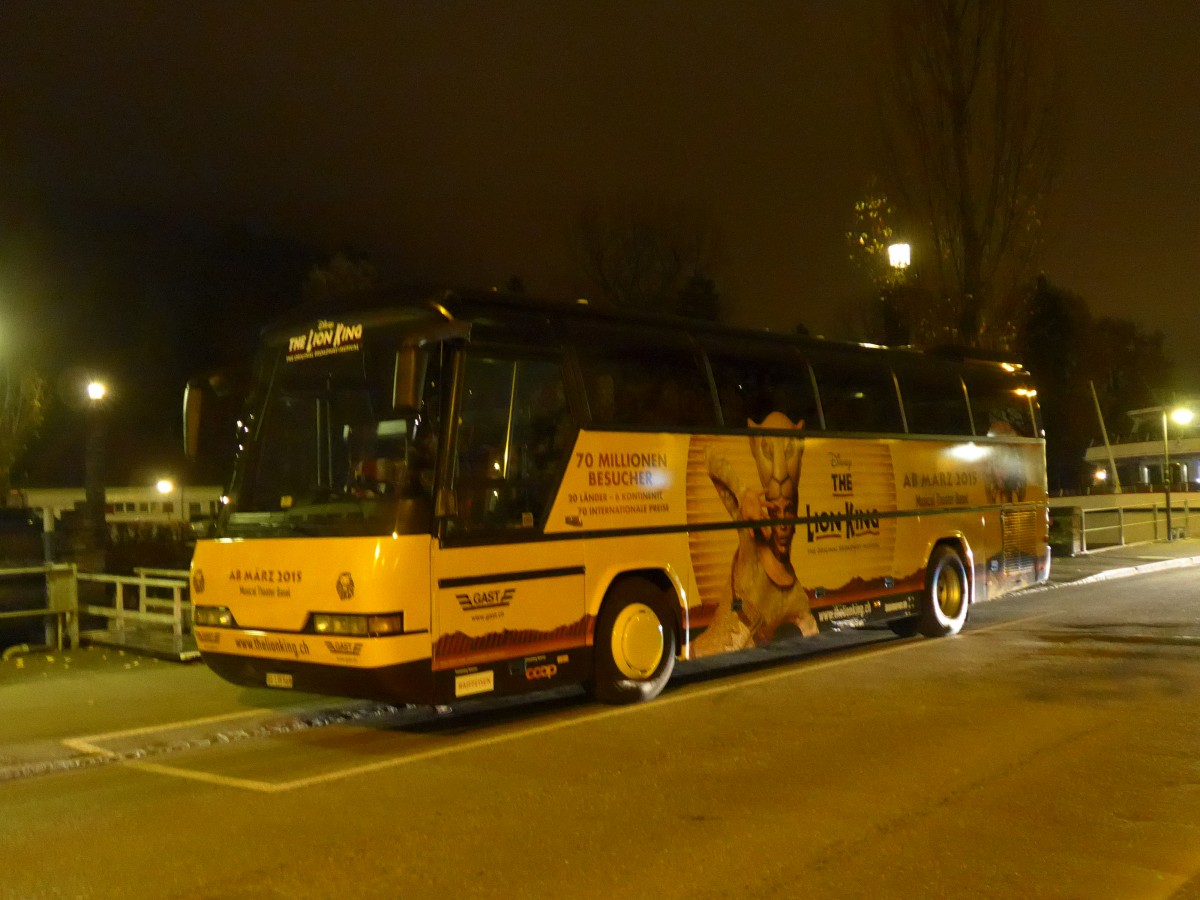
[
  {"x": 149, "y": 611},
  {"x": 1108, "y": 520},
  {"x": 61, "y": 612}
]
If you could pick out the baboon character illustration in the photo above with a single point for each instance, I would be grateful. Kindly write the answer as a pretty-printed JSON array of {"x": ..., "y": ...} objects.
[{"x": 765, "y": 592}]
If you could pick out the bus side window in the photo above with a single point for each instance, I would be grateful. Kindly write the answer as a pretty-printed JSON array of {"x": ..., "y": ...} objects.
[
  {"x": 631, "y": 380},
  {"x": 514, "y": 434},
  {"x": 934, "y": 402},
  {"x": 750, "y": 388},
  {"x": 858, "y": 395},
  {"x": 1000, "y": 405}
]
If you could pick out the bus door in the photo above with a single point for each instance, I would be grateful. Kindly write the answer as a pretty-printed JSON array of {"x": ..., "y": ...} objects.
[{"x": 509, "y": 610}]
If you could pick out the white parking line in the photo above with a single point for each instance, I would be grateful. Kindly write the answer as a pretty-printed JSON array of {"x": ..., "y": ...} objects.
[
  {"x": 87, "y": 744},
  {"x": 723, "y": 686}
]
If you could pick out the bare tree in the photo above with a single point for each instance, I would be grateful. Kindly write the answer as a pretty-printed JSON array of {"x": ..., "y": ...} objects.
[
  {"x": 968, "y": 113},
  {"x": 22, "y": 408},
  {"x": 341, "y": 275},
  {"x": 648, "y": 255}
]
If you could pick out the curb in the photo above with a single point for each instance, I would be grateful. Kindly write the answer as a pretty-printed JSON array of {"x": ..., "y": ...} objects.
[{"x": 1122, "y": 572}]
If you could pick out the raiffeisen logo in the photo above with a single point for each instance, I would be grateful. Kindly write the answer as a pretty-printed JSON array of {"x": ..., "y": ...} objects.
[
  {"x": 847, "y": 524},
  {"x": 326, "y": 338}
]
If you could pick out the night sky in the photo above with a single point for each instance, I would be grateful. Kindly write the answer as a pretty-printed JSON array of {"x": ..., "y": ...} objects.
[{"x": 167, "y": 170}]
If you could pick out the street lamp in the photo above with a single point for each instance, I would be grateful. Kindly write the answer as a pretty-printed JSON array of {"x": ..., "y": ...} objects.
[
  {"x": 95, "y": 391},
  {"x": 895, "y": 331},
  {"x": 1181, "y": 416},
  {"x": 166, "y": 487}
]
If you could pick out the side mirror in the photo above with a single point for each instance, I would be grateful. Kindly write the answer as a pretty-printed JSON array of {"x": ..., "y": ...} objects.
[{"x": 408, "y": 380}]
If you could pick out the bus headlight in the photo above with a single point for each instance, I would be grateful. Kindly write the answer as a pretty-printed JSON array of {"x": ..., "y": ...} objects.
[
  {"x": 364, "y": 626},
  {"x": 326, "y": 624},
  {"x": 393, "y": 623},
  {"x": 213, "y": 616}
]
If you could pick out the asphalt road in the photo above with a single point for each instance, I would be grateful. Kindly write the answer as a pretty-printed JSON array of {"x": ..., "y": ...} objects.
[{"x": 1051, "y": 750}]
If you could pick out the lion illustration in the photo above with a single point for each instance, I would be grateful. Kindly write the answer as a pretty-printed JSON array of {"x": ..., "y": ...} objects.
[{"x": 765, "y": 590}]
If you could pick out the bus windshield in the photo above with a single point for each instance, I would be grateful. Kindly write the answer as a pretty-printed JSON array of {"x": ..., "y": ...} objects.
[{"x": 327, "y": 451}]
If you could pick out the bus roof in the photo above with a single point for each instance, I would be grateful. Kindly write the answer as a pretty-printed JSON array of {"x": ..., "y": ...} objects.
[{"x": 470, "y": 304}]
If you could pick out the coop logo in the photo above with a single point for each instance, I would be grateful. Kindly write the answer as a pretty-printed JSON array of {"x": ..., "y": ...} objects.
[
  {"x": 486, "y": 599},
  {"x": 345, "y": 586},
  {"x": 198, "y": 581},
  {"x": 326, "y": 338},
  {"x": 534, "y": 673}
]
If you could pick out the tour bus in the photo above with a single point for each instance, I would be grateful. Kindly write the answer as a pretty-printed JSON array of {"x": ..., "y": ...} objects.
[{"x": 470, "y": 494}]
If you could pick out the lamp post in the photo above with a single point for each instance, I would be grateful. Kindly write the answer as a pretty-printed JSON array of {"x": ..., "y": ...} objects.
[
  {"x": 96, "y": 391},
  {"x": 1182, "y": 416},
  {"x": 894, "y": 330}
]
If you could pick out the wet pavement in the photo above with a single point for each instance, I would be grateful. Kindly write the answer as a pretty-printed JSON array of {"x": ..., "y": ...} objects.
[{"x": 49, "y": 699}]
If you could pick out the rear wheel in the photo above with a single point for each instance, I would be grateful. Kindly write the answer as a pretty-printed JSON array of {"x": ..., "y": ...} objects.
[
  {"x": 635, "y": 645},
  {"x": 944, "y": 605}
]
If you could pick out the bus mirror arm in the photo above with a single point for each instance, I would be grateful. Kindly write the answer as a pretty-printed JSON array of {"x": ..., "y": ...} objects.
[
  {"x": 191, "y": 419},
  {"x": 446, "y": 504}
]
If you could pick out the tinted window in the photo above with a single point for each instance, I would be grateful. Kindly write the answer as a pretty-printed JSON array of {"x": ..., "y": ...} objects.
[
  {"x": 327, "y": 454},
  {"x": 632, "y": 380},
  {"x": 999, "y": 404},
  {"x": 514, "y": 434},
  {"x": 934, "y": 402},
  {"x": 749, "y": 388},
  {"x": 858, "y": 394}
]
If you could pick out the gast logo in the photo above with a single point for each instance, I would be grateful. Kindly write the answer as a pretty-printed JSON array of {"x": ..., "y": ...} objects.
[
  {"x": 486, "y": 599},
  {"x": 344, "y": 648}
]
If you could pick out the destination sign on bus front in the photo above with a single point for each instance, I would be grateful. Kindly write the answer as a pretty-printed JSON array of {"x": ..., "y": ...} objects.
[{"x": 325, "y": 339}]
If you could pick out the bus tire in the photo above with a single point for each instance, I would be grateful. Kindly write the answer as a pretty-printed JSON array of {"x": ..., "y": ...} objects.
[
  {"x": 634, "y": 647},
  {"x": 944, "y": 604}
]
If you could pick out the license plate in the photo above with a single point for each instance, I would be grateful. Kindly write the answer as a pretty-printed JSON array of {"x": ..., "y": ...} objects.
[{"x": 279, "y": 680}]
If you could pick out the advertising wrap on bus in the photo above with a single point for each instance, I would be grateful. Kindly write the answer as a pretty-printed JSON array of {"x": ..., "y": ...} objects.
[{"x": 859, "y": 504}]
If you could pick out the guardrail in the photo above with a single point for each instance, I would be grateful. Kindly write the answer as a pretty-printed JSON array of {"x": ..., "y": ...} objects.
[
  {"x": 62, "y": 602},
  {"x": 143, "y": 611},
  {"x": 1095, "y": 527}
]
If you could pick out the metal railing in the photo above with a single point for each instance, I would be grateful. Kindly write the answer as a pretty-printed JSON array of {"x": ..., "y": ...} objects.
[
  {"x": 61, "y": 612},
  {"x": 142, "y": 609},
  {"x": 1120, "y": 525}
]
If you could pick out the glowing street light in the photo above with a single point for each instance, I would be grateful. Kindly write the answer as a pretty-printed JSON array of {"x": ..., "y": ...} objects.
[
  {"x": 895, "y": 330},
  {"x": 93, "y": 481},
  {"x": 165, "y": 486},
  {"x": 1181, "y": 415}
]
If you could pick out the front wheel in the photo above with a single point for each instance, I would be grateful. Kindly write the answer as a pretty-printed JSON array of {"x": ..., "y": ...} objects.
[
  {"x": 635, "y": 645},
  {"x": 944, "y": 604}
]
